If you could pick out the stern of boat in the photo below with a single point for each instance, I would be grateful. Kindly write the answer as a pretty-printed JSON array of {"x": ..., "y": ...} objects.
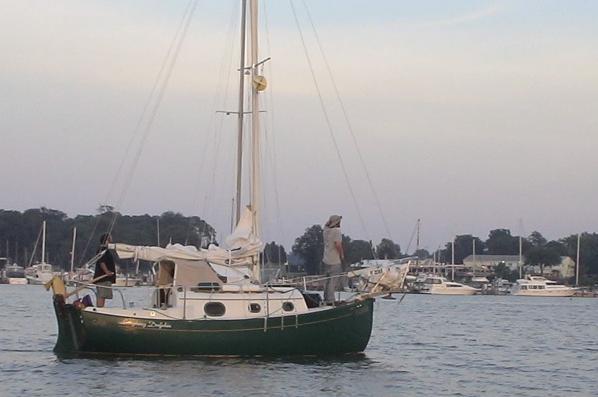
[{"x": 68, "y": 317}]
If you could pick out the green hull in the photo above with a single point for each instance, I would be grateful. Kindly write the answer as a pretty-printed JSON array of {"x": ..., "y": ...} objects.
[{"x": 339, "y": 330}]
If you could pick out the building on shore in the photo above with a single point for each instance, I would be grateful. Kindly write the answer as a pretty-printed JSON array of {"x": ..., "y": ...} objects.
[{"x": 565, "y": 269}]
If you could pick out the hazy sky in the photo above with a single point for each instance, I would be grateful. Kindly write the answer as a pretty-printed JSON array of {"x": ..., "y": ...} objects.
[{"x": 470, "y": 114}]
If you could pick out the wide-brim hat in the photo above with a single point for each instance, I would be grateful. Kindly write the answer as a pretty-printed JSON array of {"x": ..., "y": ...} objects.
[{"x": 334, "y": 220}]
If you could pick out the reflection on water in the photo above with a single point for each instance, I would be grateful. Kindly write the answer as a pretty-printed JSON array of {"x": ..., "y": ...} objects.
[{"x": 427, "y": 345}]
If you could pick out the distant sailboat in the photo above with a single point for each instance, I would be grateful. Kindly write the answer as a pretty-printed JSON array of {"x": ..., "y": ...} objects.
[{"x": 41, "y": 272}]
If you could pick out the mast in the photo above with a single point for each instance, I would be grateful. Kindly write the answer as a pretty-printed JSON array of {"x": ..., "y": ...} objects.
[
  {"x": 240, "y": 114},
  {"x": 520, "y": 257},
  {"x": 453, "y": 259},
  {"x": 73, "y": 248},
  {"x": 256, "y": 85},
  {"x": 417, "y": 242},
  {"x": 577, "y": 261},
  {"x": 44, "y": 242},
  {"x": 158, "y": 230},
  {"x": 474, "y": 261}
]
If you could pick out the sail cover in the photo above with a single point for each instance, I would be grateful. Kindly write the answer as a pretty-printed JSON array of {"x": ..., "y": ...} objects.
[{"x": 239, "y": 249}]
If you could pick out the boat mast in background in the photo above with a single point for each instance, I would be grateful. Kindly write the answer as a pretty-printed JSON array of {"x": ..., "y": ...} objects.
[
  {"x": 577, "y": 261},
  {"x": 43, "y": 242},
  {"x": 453, "y": 260},
  {"x": 520, "y": 248},
  {"x": 73, "y": 249},
  {"x": 417, "y": 242}
]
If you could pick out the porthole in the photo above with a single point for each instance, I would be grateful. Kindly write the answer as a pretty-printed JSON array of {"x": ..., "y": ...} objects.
[
  {"x": 288, "y": 306},
  {"x": 214, "y": 309},
  {"x": 255, "y": 308}
]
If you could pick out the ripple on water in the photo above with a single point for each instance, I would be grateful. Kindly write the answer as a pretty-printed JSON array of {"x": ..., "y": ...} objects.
[{"x": 428, "y": 345}]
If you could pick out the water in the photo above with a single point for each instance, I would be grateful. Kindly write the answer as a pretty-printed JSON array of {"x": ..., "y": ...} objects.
[{"x": 426, "y": 346}]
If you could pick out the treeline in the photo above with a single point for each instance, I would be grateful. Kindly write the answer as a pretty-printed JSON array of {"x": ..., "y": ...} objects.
[
  {"x": 19, "y": 232},
  {"x": 309, "y": 249},
  {"x": 536, "y": 249}
]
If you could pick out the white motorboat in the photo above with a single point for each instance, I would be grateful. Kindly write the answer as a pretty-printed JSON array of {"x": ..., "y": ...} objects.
[
  {"x": 540, "y": 286},
  {"x": 15, "y": 275},
  {"x": 436, "y": 285}
]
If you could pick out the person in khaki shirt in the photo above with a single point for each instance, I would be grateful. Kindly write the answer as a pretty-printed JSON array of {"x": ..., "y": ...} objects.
[{"x": 333, "y": 256}]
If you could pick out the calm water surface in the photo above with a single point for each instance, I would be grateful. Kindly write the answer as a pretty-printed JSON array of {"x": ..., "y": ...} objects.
[{"x": 426, "y": 346}]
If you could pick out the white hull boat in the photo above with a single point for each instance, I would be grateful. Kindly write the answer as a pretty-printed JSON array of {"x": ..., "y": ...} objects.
[
  {"x": 540, "y": 286},
  {"x": 40, "y": 274},
  {"x": 15, "y": 275},
  {"x": 440, "y": 286}
]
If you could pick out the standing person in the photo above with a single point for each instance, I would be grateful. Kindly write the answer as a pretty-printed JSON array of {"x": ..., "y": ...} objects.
[
  {"x": 333, "y": 256},
  {"x": 105, "y": 266}
]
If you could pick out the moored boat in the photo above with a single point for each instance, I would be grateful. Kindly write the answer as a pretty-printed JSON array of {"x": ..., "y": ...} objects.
[
  {"x": 540, "y": 286},
  {"x": 15, "y": 275},
  {"x": 436, "y": 285}
]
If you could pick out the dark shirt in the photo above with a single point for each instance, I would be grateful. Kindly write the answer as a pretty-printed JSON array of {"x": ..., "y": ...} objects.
[{"x": 108, "y": 259}]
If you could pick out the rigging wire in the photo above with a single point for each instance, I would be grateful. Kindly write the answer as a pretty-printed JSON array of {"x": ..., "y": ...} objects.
[
  {"x": 224, "y": 70},
  {"x": 273, "y": 159},
  {"x": 137, "y": 129},
  {"x": 330, "y": 128},
  {"x": 217, "y": 140},
  {"x": 347, "y": 121},
  {"x": 411, "y": 238},
  {"x": 154, "y": 111}
]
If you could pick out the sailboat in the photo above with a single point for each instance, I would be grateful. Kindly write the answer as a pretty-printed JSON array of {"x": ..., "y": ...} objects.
[
  {"x": 211, "y": 301},
  {"x": 42, "y": 272}
]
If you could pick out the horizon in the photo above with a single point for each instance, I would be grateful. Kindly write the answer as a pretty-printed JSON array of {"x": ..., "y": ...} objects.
[{"x": 468, "y": 114}]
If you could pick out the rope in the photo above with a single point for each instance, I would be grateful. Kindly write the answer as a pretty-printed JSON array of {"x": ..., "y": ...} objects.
[
  {"x": 189, "y": 9},
  {"x": 329, "y": 125},
  {"x": 154, "y": 111},
  {"x": 274, "y": 157},
  {"x": 218, "y": 100},
  {"x": 349, "y": 125}
]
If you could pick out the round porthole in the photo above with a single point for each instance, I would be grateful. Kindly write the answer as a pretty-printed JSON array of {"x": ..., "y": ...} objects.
[
  {"x": 288, "y": 306},
  {"x": 255, "y": 308},
  {"x": 214, "y": 309}
]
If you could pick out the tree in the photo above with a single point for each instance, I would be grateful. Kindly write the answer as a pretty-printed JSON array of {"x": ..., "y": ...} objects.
[
  {"x": 500, "y": 242},
  {"x": 388, "y": 249},
  {"x": 275, "y": 253},
  {"x": 588, "y": 254},
  {"x": 423, "y": 253},
  {"x": 22, "y": 229},
  {"x": 536, "y": 239},
  {"x": 542, "y": 256},
  {"x": 310, "y": 246},
  {"x": 558, "y": 247},
  {"x": 463, "y": 248},
  {"x": 503, "y": 271},
  {"x": 356, "y": 250}
]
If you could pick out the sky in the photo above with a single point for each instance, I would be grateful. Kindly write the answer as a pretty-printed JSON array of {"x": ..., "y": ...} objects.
[{"x": 471, "y": 115}]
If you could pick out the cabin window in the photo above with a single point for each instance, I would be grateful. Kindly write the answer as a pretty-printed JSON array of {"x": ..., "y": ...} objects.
[
  {"x": 288, "y": 306},
  {"x": 255, "y": 308},
  {"x": 524, "y": 287},
  {"x": 214, "y": 309}
]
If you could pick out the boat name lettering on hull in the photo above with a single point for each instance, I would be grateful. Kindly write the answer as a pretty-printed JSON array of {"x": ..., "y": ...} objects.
[{"x": 148, "y": 324}]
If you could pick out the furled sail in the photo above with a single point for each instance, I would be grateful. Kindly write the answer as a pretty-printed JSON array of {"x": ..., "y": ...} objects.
[{"x": 240, "y": 249}]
